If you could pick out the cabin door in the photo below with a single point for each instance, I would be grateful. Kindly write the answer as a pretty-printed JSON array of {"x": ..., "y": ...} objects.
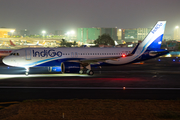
[
  {"x": 28, "y": 54},
  {"x": 72, "y": 54}
]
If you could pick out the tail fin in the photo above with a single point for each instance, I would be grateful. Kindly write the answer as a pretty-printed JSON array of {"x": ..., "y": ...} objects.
[
  {"x": 37, "y": 43},
  {"x": 43, "y": 42},
  {"x": 154, "y": 38},
  {"x": 11, "y": 43},
  {"x": 150, "y": 46}
]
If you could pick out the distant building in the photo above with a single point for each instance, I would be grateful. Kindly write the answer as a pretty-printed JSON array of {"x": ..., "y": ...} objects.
[
  {"x": 142, "y": 33},
  {"x": 24, "y": 32},
  {"x": 176, "y": 33},
  {"x": 4, "y": 32},
  {"x": 119, "y": 34},
  {"x": 59, "y": 32},
  {"x": 167, "y": 37},
  {"x": 130, "y": 34},
  {"x": 135, "y": 34},
  {"x": 88, "y": 35}
]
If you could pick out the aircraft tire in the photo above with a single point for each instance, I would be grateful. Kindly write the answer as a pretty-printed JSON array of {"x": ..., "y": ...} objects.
[
  {"x": 90, "y": 72},
  {"x": 81, "y": 72},
  {"x": 26, "y": 73}
]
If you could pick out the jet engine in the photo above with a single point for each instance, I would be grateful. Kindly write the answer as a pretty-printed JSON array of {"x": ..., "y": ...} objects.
[
  {"x": 70, "y": 67},
  {"x": 153, "y": 53},
  {"x": 54, "y": 69}
]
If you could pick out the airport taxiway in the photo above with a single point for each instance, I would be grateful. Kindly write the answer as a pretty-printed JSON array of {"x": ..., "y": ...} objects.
[{"x": 152, "y": 80}]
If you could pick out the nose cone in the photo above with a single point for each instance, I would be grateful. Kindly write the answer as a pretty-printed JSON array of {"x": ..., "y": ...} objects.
[
  {"x": 7, "y": 61},
  {"x": 4, "y": 60}
]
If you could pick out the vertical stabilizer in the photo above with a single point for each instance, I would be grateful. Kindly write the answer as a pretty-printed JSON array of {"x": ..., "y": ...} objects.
[
  {"x": 154, "y": 38},
  {"x": 11, "y": 43}
]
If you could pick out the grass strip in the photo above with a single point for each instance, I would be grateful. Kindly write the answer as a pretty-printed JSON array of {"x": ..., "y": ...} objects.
[
  {"x": 13, "y": 102},
  {"x": 96, "y": 109}
]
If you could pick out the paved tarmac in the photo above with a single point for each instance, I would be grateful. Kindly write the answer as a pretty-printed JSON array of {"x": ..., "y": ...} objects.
[{"x": 155, "y": 79}]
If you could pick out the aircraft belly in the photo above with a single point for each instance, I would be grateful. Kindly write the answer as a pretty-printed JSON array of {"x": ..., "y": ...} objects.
[{"x": 122, "y": 60}]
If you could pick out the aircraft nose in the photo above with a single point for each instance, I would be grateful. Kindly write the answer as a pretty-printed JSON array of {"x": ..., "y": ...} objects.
[{"x": 7, "y": 61}]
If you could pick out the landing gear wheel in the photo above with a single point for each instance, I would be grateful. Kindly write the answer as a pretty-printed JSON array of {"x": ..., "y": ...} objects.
[
  {"x": 27, "y": 73},
  {"x": 90, "y": 72},
  {"x": 81, "y": 72}
]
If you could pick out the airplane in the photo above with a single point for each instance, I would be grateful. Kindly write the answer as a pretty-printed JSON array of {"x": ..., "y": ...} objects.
[
  {"x": 26, "y": 45},
  {"x": 5, "y": 52},
  {"x": 80, "y": 60}
]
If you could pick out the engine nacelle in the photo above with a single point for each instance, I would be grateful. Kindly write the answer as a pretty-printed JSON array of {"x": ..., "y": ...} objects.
[
  {"x": 153, "y": 53},
  {"x": 70, "y": 67},
  {"x": 54, "y": 69}
]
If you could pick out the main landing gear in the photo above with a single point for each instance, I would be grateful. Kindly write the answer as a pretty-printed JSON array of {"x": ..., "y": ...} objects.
[
  {"x": 90, "y": 72},
  {"x": 87, "y": 70}
]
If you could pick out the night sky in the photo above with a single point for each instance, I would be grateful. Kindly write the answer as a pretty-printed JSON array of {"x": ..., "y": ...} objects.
[{"x": 51, "y": 15}]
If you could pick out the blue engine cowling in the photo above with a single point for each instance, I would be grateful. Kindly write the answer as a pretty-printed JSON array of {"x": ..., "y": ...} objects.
[
  {"x": 54, "y": 69},
  {"x": 70, "y": 67}
]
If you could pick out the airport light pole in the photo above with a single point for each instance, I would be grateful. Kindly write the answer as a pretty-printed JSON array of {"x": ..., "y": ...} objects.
[
  {"x": 12, "y": 31},
  {"x": 70, "y": 34},
  {"x": 43, "y": 32}
]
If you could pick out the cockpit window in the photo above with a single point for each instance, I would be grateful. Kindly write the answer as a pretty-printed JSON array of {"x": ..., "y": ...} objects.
[{"x": 15, "y": 54}]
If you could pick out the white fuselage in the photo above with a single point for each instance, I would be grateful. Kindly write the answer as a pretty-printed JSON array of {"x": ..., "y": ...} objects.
[{"x": 29, "y": 57}]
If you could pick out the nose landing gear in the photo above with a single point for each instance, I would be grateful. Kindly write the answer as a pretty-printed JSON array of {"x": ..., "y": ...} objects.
[{"x": 27, "y": 71}]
